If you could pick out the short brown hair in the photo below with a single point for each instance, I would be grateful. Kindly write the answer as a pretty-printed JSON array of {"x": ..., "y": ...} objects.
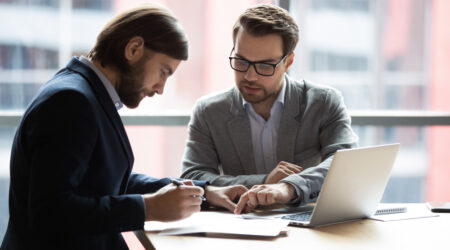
[
  {"x": 268, "y": 19},
  {"x": 155, "y": 24}
]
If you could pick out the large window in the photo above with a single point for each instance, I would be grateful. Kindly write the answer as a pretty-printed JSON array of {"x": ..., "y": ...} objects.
[{"x": 381, "y": 54}]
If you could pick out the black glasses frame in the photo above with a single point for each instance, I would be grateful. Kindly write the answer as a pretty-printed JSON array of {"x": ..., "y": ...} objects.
[{"x": 250, "y": 63}]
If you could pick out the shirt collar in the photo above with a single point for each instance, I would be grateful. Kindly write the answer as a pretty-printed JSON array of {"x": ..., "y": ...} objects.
[
  {"x": 108, "y": 85},
  {"x": 280, "y": 97}
]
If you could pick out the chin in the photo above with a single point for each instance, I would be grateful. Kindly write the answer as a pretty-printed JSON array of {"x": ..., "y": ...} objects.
[
  {"x": 251, "y": 99},
  {"x": 131, "y": 105}
]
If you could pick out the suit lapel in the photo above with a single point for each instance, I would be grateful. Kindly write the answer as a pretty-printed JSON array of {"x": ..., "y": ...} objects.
[
  {"x": 105, "y": 101},
  {"x": 289, "y": 123},
  {"x": 239, "y": 129}
]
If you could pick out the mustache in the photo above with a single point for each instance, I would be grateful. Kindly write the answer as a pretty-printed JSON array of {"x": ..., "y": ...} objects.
[{"x": 250, "y": 84}]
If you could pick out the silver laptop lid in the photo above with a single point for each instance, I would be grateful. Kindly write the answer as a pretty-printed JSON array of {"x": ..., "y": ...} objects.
[{"x": 354, "y": 184}]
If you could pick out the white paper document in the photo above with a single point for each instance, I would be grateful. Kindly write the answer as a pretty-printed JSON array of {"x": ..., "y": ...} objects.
[
  {"x": 219, "y": 223},
  {"x": 413, "y": 212}
]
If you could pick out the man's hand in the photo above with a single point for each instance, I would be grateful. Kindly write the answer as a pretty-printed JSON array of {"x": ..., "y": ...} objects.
[
  {"x": 173, "y": 202},
  {"x": 224, "y": 196},
  {"x": 281, "y": 171},
  {"x": 265, "y": 195}
]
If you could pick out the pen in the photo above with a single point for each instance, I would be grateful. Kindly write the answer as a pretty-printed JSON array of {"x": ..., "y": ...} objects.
[{"x": 179, "y": 183}]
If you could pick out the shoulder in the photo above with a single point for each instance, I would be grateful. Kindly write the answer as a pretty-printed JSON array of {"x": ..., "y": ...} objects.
[
  {"x": 306, "y": 89},
  {"x": 67, "y": 80},
  {"x": 65, "y": 90},
  {"x": 217, "y": 101}
]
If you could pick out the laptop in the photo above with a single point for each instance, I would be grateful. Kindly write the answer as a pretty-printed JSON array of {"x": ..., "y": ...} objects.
[{"x": 351, "y": 190}]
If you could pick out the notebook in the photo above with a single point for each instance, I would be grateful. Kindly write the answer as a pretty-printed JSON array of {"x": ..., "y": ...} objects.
[{"x": 351, "y": 190}]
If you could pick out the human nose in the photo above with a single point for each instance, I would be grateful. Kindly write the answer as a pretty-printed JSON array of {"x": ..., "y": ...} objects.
[
  {"x": 251, "y": 74},
  {"x": 159, "y": 88}
]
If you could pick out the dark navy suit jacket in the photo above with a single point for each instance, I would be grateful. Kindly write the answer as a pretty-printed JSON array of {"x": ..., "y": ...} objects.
[{"x": 71, "y": 180}]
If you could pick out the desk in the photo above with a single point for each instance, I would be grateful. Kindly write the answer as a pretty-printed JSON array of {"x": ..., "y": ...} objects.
[{"x": 424, "y": 233}]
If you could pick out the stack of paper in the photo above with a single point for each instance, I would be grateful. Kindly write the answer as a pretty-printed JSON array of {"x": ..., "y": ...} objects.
[{"x": 219, "y": 223}]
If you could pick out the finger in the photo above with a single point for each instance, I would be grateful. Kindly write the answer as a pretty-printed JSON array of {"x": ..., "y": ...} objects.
[
  {"x": 261, "y": 197},
  {"x": 249, "y": 208},
  {"x": 245, "y": 199},
  {"x": 283, "y": 163},
  {"x": 240, "y": 189},
  {"x": 270, "y": 197},
  {"x": 290, "y": 166},
  {"x": 252, "y": 197},
  {"x": 266, "y": 197},
  {"x": 196, "y": 200},
  {"x": 188, "y": 201},
  {"x": 241, "y": 203},
  {"x": 286, "y": 172},
  {"x": 188, "y": 182},
  {"x": 193, "y": 190},
  {"x": 294, "y": 168},
  {"x": 188, "y": 211},
  {"x": 229, "y": 205}
]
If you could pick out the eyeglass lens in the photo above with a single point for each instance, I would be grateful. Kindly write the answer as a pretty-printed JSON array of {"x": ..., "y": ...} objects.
[{"x": 243, "y": 65}]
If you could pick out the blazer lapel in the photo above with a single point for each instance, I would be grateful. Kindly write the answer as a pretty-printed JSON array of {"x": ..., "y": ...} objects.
[
  {"x": 105, "y": 101},
  {"x": 239, "y": 129},
  {"x": 289, "y": 123}
]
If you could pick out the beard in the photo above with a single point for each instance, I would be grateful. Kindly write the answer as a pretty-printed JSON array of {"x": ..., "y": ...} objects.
[
  {"x": 262, "y": 94},
  {"x": 131, "y": 84}
]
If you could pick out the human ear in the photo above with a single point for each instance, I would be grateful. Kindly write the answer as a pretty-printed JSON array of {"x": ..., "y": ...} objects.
[
  {"x": 134, "y": 49},
  {"x": 289, "y": 61}
]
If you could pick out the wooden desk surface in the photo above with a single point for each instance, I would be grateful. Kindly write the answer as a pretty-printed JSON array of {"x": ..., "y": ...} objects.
[{"x": 423, "y": 233}]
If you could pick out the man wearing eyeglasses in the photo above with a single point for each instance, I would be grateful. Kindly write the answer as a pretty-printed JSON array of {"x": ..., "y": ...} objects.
[{"x": 270, "y": 132}]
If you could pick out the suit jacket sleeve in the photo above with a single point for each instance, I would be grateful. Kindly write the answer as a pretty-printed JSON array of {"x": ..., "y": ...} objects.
[
  {"x": 142, "y": 184},
  {"x": 334, "y": 133},
  {"x": 60, "y": 151}
]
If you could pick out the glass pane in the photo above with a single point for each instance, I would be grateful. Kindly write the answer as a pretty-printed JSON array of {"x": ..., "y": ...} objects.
[
  {"x": 407, "y": 181},
  {"x": 420, "y": 172},
  {"x": 385, "y": 54},
  {"x": 6, "y": 137},
  {"x": 376, "y": 52}
]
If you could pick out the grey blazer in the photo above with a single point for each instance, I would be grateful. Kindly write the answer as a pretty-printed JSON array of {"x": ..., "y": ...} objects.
[{"x": 314, "y": 124}]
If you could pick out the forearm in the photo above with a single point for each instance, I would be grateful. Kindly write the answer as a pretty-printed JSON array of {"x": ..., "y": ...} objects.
[
  {"x": 309, "y": 181},
  {"x": 78, "y": 214},
  {"x": 224, "y": 180}
]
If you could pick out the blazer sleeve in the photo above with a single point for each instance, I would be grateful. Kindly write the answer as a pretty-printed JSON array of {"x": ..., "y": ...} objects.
[
  {"x": 142, "y": 184},
  {"x": 59, "y": 137},
  {"x": 335, "y": 133}
]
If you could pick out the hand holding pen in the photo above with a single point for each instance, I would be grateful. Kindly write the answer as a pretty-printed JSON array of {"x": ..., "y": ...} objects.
[
  {"x": 171, "y": 202},
  {"x": 179, "y": 183}
]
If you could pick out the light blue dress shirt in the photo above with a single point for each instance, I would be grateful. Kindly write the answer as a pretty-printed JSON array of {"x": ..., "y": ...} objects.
[
  {"x": 265, "y": 138},
  {"x": 265, "y": 134},
  {"x": 108, "y": 85}
]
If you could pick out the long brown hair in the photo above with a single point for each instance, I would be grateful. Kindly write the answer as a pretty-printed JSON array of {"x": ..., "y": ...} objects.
[{"x": 155, "y": 24}]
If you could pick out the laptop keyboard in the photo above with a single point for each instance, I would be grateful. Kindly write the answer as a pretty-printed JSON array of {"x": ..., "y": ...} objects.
[{"x": 305, "y": 216}]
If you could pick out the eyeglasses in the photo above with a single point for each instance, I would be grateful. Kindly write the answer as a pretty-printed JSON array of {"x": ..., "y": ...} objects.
[{"x": 264, "y": 69}]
